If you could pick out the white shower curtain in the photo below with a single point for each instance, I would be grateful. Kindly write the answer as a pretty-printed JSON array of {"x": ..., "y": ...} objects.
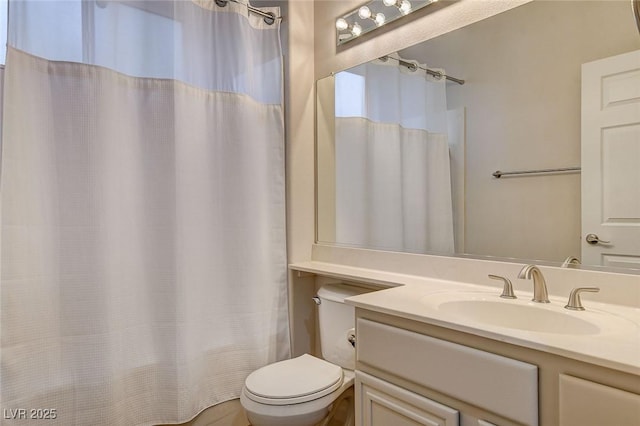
[
  {"x": 143, "y": 217},
  {"x": 393, "y": 182}
]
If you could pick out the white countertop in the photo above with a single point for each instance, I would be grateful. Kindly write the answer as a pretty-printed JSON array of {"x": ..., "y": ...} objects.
[{"x": 406, "y": 295}]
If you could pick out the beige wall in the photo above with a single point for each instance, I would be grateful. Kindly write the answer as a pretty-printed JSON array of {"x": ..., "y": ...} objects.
[
  {"x": 300, "y": 164},
  {"x": 300, "y": 133}
]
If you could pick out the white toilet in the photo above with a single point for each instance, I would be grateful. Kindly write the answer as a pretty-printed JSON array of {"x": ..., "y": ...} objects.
[{"x": 302, "y": 391}]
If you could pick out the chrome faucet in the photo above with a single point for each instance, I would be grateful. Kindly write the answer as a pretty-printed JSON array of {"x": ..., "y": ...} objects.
[
  {"x": 570, "y": 262},
  {"x": 540, "y": 294}
]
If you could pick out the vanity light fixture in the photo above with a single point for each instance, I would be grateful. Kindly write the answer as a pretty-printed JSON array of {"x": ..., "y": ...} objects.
[
  {"x": 404, "y": 6},
  {"x": 356, "y": 29},
  {"x": 343, "y": 26},
  {"x": 374, "y": 14},
  {"x": 365, "y": 13}
]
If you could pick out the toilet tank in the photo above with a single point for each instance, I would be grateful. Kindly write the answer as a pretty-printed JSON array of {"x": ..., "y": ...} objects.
[{"x": 336, "y": 321}]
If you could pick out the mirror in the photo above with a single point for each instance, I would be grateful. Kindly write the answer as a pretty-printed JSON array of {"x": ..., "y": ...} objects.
[{"x": 519, "y": 110}]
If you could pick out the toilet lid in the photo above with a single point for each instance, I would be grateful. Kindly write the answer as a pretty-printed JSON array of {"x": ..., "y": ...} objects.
[{"x": 293, "y": 381}]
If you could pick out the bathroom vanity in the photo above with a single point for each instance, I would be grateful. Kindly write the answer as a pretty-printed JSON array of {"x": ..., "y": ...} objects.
[
  {"x": 420, "y": 362},
  {"x": 472, "y": 380}
]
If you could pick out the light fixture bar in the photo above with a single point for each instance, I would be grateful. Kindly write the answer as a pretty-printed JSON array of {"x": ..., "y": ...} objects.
[{"x": 372, "y": 15}]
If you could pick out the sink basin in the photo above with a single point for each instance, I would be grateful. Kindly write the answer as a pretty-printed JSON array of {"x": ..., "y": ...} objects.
[
  {"x": 523, "y": 317},
  {"x": 490, "y": 310}
]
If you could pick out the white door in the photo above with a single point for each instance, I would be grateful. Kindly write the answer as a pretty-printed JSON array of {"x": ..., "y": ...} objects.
[{"x": 611, "y": 161}]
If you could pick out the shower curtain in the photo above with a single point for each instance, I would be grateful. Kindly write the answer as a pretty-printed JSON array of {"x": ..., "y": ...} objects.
[
  {"x": 393, "y": 182},
  {"x": 143, "y": 218}
]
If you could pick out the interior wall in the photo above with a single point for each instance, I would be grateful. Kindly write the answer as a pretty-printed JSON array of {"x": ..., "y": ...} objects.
[
  {"x": 300, "y": 134},
  {"x": 300, "y": 165}
]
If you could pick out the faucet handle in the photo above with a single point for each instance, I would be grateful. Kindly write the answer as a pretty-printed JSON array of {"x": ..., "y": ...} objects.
[
  {"x": 575, "y": 304},
  {"x": 507, "y": 289}
]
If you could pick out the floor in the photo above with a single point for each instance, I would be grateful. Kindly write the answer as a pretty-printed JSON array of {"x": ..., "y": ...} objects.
[{"x": 230, "y": 413}]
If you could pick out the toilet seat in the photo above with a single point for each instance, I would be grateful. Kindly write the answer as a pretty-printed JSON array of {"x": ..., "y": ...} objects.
[{"x": 293, "y": 381}]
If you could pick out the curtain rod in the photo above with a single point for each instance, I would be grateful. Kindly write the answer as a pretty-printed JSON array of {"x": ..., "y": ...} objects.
[
  {"x": 269, "y": 17},
  {"x": 413, "y": 67}
]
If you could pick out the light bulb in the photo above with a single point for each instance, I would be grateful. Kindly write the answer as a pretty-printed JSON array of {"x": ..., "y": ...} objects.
[
  {"x": 405, "y": 7},
  {"x": 389, "y": 2},
  {"x": 341, "y": 24},
  {"x": 364, "y": 12},
  {"x": 379, "y": 19},
  {"x": 356, "y": 30}
]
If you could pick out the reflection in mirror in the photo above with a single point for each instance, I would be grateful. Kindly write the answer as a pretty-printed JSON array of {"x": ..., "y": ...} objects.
[
  {"x": 406, "y": 160},
  {"x": 392, "y": 159}
]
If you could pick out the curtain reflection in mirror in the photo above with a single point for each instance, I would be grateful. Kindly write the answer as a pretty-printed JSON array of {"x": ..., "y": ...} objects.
[{"x": 393, "y": 182}]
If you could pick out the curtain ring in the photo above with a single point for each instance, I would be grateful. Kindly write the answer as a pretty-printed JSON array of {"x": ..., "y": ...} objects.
[{"x": 269, "y": 20}]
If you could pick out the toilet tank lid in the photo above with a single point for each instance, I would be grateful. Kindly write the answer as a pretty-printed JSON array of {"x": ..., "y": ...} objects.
[{"x": 339, "y": 292}]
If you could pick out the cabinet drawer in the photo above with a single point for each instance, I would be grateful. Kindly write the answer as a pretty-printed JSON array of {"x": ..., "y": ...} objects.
[
  {"x": 492, "y": 382},
  {"x": 585, "y": 403}
]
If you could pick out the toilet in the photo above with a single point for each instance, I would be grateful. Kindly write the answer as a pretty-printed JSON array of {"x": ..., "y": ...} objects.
[{"x": 303, "y": 391}]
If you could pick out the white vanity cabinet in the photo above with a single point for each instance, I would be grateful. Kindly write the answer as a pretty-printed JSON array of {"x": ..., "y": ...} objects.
[
  {"x": 475, "y": 386},
  {"x": 412, "y": 373}
]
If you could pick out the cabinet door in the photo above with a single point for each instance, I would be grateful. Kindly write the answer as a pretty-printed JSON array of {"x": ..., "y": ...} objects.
[
  {"x": 585, "y": 403},
  {"x": 493, "y": 383},
  {"x": 379, "y": 403}
]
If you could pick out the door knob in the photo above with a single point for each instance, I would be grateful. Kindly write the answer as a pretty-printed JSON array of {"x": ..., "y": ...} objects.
[{"x": 593, "y": 239}]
